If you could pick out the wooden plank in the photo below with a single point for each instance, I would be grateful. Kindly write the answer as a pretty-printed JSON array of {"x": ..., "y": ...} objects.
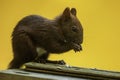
[
  {"x": 38, "y": 71},
  {"x": 15, "y": 74},
  {"x": 72, "y": 71},
  {"x": 19, "y": 74}
]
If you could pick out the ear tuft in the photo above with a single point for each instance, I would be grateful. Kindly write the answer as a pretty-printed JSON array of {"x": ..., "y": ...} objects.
[
  {"x": 73, "y": 11},
  {"x": 66, "y": 12}
]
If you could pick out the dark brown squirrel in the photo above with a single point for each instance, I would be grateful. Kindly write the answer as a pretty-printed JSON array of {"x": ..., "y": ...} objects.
[{"x": 35, "y": 37}]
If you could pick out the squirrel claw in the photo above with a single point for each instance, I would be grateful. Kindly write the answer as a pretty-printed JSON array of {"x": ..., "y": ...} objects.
[{"x": 77, "y": 47}]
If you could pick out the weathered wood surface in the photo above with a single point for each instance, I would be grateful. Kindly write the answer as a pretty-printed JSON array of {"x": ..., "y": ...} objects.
[
  {"x": 38, "y": 71},
  {"x": 15, "y": 74},
  {"x": 19, "y": 74},
  {"x": 72, "y": 71}
]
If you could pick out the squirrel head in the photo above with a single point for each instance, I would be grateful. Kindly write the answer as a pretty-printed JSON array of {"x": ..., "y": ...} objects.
[{"x": 71, "y": 26}]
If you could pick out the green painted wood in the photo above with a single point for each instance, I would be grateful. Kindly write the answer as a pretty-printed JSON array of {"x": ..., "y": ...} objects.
[
  {"x": 72, "y": 71},
  {"x": 38, "y": 71},
  {"x": 15, "y": 74},
  {"x": 19, "y": 74}
]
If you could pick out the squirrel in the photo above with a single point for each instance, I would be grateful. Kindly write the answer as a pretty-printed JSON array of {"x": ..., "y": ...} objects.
[{"x": 35, "y": 37}]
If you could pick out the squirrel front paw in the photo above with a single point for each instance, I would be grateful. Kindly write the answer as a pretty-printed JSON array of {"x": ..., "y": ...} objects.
[{"x": 77, "y": 47}]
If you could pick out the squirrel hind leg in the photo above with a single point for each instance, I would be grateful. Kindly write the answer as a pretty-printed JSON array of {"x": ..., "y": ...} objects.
[{"x": 23, "y": 50}]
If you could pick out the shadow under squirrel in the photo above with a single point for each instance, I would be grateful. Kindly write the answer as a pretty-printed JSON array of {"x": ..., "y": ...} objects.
[{"x": 35, "y": 37}]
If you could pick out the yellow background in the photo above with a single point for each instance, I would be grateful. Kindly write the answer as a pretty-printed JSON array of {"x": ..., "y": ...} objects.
[{"x": 100, "y": 19}]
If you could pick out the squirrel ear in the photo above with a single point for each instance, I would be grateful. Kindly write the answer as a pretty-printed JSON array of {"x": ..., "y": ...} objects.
[
  {"x": 66, "y": 13},
  {"x": 73, "y": 11},
  {"x": 66, "y": 16}
]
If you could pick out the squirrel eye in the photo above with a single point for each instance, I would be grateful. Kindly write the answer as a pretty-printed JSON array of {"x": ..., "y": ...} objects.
[{"x": 74, "y": 28}]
